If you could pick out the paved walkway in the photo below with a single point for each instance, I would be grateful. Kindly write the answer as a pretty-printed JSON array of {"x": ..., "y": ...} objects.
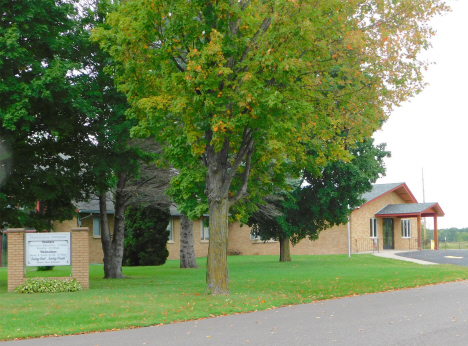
[
  {"x": 457, "y": 257},
  {"x": 394, "y": 254},
  {"x": 430, "y": 315}
]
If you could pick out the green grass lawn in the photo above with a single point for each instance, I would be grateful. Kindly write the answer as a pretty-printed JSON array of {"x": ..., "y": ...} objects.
[
  {"x": 32, "y": 272},
  {"x": 154, "y": 295}
]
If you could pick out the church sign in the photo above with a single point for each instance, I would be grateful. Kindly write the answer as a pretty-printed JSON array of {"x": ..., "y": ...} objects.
[{"x": 47, "y": 249}]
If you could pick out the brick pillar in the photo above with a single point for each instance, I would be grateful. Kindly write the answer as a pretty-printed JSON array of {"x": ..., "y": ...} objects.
[
  {"x": 80, "y": 255},
  {"x": 15, "y": 257}
]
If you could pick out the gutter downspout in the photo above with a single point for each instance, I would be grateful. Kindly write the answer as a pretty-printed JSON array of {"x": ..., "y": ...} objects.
[{"x": 78, "y": 220}]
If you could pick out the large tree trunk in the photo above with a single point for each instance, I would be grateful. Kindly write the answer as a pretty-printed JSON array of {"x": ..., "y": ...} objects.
[
  {"x": 285, "y": 255},
  {"x": 217, "y": 274},
  {"x": 187, "y": 251},
  {"x": 221, "y": 170},
  {"x": 113, "y": 247}
]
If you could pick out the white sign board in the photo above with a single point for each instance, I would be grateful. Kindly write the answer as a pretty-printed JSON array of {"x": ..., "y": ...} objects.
[{"x": 47, "y": 249}]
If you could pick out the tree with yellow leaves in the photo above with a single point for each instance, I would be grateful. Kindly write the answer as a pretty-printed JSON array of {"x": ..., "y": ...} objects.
[{"x": 234, "y": 88}]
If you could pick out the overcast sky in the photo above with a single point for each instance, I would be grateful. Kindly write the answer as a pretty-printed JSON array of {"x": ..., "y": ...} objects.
[{"x": 430, "y": 131}]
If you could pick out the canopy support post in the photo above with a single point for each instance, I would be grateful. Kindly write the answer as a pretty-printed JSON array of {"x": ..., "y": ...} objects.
[{"x": 419, "y": 233}]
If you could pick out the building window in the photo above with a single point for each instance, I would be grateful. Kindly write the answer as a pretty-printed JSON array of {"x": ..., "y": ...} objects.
[
  {"x": 406, "y": 228},
  {"x": 373, "y": 227},
  {"x": 169, "y": 228},
  {"x": 254, "y": 237},
  {"x": 205, "y": 230},
  {"x": 96, "y": 226},
  {"x": 257, "y": 238}
]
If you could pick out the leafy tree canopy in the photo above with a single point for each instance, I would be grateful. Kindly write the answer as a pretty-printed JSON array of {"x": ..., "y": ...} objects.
[
  {"x": 42, "y": 113},
  {"x": 324, "y": 200},
  {"x": 232, "y": 88}
]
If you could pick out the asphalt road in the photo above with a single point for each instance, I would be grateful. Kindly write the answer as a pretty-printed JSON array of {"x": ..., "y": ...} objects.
[
  {"x": 430, "y": 315},
  {"x": 458, "y": 257}
]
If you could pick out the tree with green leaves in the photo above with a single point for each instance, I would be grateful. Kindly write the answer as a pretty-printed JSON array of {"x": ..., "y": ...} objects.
[
  {"x": 63, "y": 134},
  {"x": 42, "y": 115},
  {"x": 321, "y": 200},
  {"x": 120, "y": 165},
  {"x": 232, "y": 88}
]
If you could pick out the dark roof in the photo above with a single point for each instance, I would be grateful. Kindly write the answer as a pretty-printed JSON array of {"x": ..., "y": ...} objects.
[
  {"x": 173, "y": 210},
  {"x": 92, "y": 205},
  {"x": 176, "y": 212},
  {"x": 411, "y": 209},
  {"x": 378, "y": 190}
]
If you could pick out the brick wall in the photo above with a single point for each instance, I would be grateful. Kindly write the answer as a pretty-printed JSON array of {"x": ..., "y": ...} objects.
[
  {"x": 95, "y": 246},
  {"x": 200, "y": 246},
  {"x": 360, "y": 223},
  {"x": 79, "y": 257},
  {"x": 239, "y": 241},
  {"x": 15, "y": 257},
  {"x": 96, "y": 254},
  {"x": 330, "y": 241},
  {"x": 406, "y": 243},
  {"x": 64, "y": 226}
]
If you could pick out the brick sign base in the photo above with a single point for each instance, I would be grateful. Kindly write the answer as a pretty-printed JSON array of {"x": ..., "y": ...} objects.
[{"x": 79, "y": 257}]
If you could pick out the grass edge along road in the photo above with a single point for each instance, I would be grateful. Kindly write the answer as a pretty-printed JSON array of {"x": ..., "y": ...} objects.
[{"x": 165, "y": 294}]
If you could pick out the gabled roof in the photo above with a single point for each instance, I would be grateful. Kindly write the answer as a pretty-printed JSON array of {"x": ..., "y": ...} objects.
[
  {"x": 379, "y": 190},
  {"x": 411, "y": 209},
  {"x": 92, "y": 206}
]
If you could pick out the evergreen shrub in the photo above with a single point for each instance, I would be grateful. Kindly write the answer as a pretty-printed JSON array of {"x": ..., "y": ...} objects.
[{"x": 146, "y": 236}]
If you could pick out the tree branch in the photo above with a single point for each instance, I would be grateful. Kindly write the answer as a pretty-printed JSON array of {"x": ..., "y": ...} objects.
[
  {"x": 247, "y": 142},
  {"x": 261, "y": 30},
  {"x": 180, "y": 68},
  {"x": 243, "y": 190}
]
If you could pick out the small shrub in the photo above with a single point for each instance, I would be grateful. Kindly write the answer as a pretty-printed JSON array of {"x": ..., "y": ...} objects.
[
  {"x": 44, "y": 268},
  {"x": 38, "y": 285}
]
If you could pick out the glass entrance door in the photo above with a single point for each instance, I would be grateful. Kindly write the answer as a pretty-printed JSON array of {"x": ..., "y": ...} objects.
[{"x": 388, "y": 238}]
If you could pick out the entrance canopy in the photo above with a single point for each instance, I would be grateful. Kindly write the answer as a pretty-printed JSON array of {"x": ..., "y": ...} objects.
[
  {"x": 411, "y": 210},
  {"x": 416, "y": 210}
]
